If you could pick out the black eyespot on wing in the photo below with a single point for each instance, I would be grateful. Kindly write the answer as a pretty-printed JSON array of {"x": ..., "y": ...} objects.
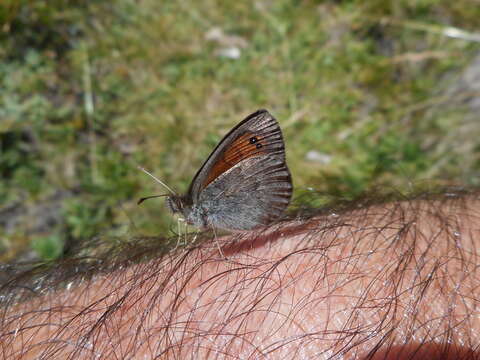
[
  {"x": 259, "y": 146},
  {"x": 253, "y": 140}
]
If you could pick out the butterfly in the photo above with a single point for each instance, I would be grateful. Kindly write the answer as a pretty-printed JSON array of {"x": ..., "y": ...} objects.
[{"x": 245, "y": 182}]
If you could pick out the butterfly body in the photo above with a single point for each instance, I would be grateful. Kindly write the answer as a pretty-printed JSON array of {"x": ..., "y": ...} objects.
[{"x": 244, "y": 184}]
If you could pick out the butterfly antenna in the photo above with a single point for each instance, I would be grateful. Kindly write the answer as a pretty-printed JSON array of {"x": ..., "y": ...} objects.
[
  {"x": 159, "y": 181},
  {"x": 149, "y": 197}
]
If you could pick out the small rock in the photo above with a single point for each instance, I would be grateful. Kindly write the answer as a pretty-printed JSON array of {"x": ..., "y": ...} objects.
[
  {"x": 229, "y": 52},
  {"x": 218, "y": 36},
  {"x": 318, "y": 157}
]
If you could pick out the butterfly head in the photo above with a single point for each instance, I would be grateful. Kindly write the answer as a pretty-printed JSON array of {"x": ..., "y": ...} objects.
[
  {"x": 175, "y": 204},
  {"x": 192, "y": 214}
]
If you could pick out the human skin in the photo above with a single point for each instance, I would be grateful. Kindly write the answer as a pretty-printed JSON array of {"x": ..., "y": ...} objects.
[{"x": 397, "y": 280}]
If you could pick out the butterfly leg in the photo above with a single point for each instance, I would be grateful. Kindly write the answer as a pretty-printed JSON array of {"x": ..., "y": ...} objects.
[
  {"x": 218, "y": 244},
  {"x": 185, "y": 237},
  {"x": 195, "y": 236},
  {"x": 179, "y": 231}
]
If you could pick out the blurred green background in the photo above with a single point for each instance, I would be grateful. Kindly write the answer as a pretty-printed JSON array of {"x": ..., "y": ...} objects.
[{"x": 368, "y": 93}]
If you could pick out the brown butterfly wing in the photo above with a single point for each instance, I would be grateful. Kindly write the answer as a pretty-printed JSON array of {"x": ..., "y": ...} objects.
[
  {"x": 245, "y": 182},
  {"x": 253, "y": 193}
]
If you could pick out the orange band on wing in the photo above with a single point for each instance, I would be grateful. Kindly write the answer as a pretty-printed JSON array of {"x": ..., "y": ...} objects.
[{"x": 244, "y": 147}]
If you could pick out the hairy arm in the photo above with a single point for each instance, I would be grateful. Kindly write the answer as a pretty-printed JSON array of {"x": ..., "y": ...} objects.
[{"x": 391, "y": 281}]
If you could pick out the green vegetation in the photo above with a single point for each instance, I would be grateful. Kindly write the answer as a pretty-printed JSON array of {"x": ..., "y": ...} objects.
[
  {"x": 47, "y": 248},
  {"x": 368, "y": 93}
]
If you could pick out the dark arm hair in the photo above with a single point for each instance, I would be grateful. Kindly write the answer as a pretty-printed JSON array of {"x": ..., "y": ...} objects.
[{"x": 392, "y": 280}]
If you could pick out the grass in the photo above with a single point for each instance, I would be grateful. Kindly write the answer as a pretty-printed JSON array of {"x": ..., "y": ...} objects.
[{"x": 90, "y": 90}]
